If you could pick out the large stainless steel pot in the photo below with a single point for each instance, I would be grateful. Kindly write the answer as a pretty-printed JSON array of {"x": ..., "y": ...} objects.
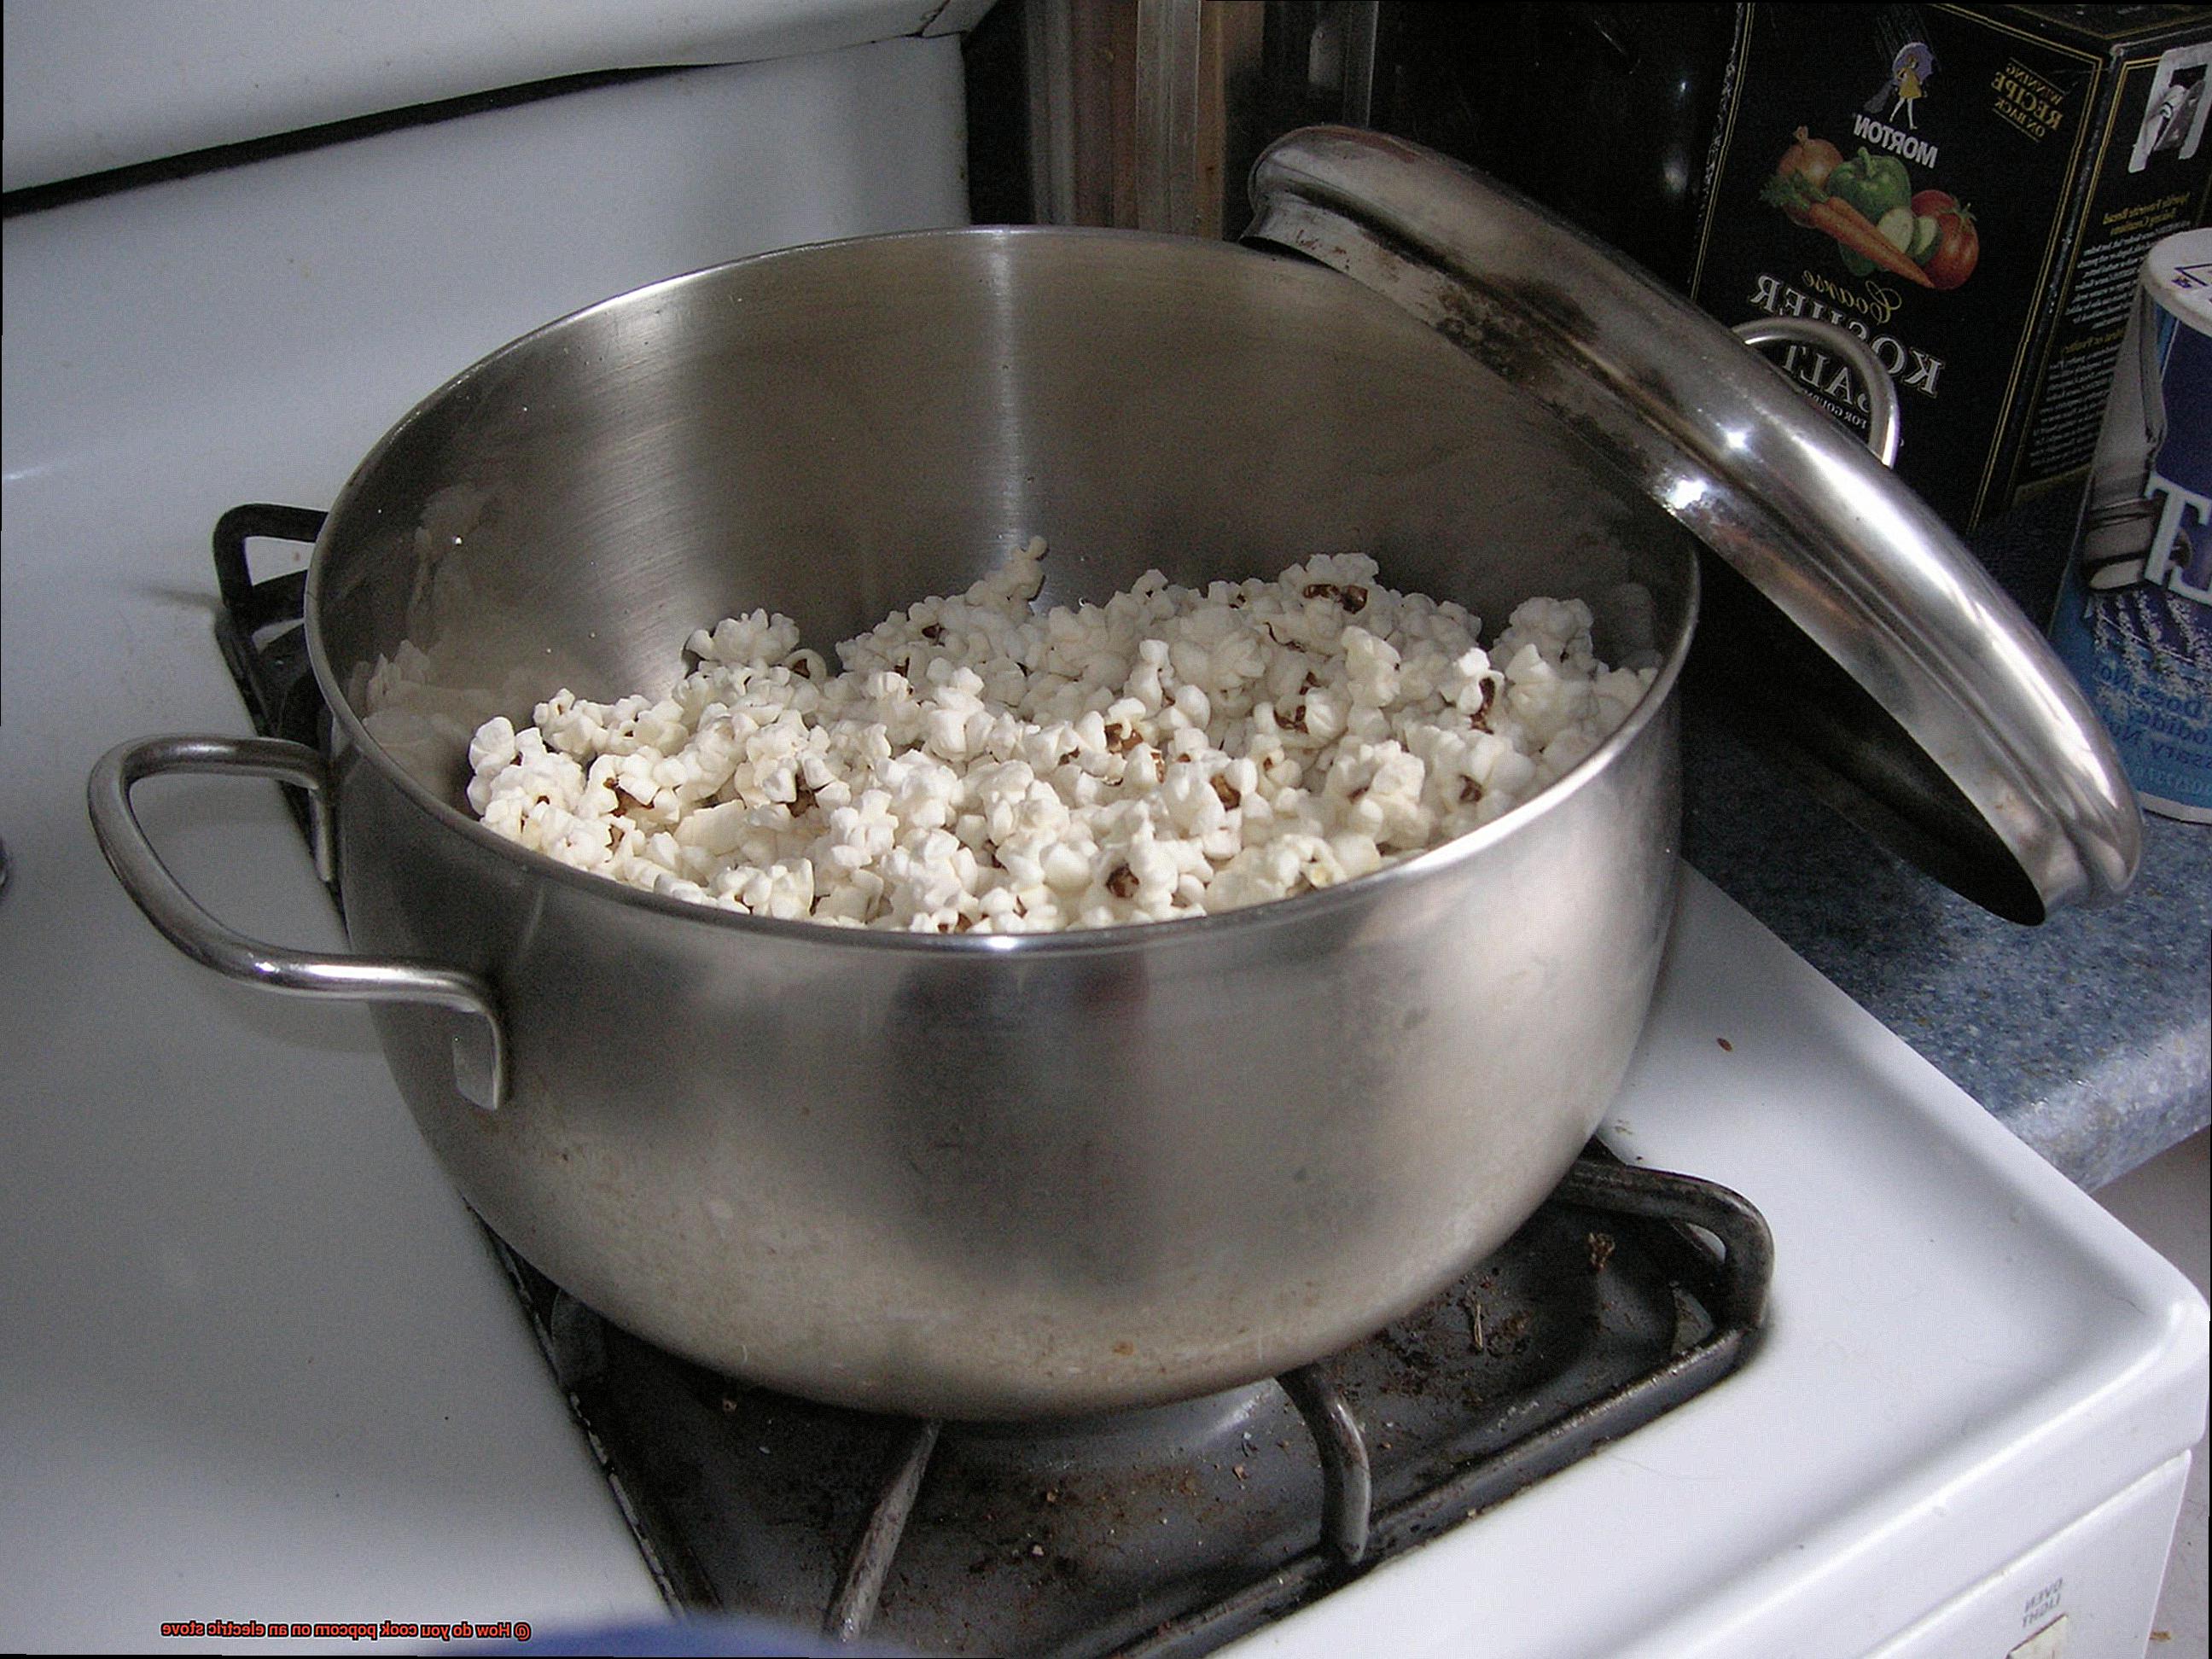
[{"x": 971, "y": 1176}]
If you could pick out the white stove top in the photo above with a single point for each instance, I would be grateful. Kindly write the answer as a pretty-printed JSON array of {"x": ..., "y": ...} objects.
[{"x": 260, "y": 1364}]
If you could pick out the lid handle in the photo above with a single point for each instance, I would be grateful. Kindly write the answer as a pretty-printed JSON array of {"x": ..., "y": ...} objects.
[{"x": 1885, "y": 423}]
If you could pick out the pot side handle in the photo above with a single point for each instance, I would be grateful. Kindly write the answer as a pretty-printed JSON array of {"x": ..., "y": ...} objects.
[{"x": 480, "y": 1057}]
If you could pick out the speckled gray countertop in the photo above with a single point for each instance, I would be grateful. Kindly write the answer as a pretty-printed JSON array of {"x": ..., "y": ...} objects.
[{"x": 2089, "y": 1036}]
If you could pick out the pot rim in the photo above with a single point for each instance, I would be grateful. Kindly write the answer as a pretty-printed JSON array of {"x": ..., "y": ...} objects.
[{"x": 1294, "y": 909}]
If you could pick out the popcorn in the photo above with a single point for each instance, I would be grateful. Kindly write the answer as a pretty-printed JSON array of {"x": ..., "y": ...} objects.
[{"x": 978, "y": 766}]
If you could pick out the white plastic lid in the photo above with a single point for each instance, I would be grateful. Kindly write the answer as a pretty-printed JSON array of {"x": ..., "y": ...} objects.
[{"x": 2179, "y": 271}]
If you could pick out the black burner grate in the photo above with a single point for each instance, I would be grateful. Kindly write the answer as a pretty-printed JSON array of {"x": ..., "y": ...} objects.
[
  {"x": 1174, "y": 1531},
  {"x": 1162, "y": 1533}
]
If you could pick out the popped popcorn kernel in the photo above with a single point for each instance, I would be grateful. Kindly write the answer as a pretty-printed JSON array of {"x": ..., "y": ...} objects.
[{"x": 978, "y": 766}]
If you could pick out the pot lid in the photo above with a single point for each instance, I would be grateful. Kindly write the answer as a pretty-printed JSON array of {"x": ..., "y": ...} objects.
[{"x": 1904, "y": 684}]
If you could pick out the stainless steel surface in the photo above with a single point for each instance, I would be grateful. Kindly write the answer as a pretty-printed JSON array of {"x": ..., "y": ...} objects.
[
  {"x": 1359, "y": 23},
  {"x": 477, "y": 1064},
  {"x": 1884, "y": 425},
  {"x": 1050, "y": 65},
  {"x": 1082, "y": 59},
  {"x": 1166, "y": 116},
  {"x": 1143, "y": 114},
  {"x": 1951, "y": 728},
  {"x": 976, "y": 1176}
]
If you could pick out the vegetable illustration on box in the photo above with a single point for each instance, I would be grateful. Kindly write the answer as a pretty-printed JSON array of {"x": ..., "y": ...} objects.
[
  {"x": 1869, "y": 206},
  {"x": 1864, "y": 156}
]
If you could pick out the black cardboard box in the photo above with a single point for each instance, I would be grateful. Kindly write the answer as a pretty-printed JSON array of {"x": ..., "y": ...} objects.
[{"x": 2015, "y": 163}]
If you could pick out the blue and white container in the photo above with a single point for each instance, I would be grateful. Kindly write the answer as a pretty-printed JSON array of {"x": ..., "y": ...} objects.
[{"x": 2133, "y": 619}]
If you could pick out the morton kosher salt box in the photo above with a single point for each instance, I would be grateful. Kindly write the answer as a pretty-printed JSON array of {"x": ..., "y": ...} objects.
[{"x": 1970, "y": 189}]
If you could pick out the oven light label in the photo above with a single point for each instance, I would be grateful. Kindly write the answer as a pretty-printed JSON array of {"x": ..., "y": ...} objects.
[{"x": 2041, "y": 1605}]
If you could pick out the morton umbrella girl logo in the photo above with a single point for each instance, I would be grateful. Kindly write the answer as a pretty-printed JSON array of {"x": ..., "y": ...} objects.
[{"x": 1907, "y": 84}]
